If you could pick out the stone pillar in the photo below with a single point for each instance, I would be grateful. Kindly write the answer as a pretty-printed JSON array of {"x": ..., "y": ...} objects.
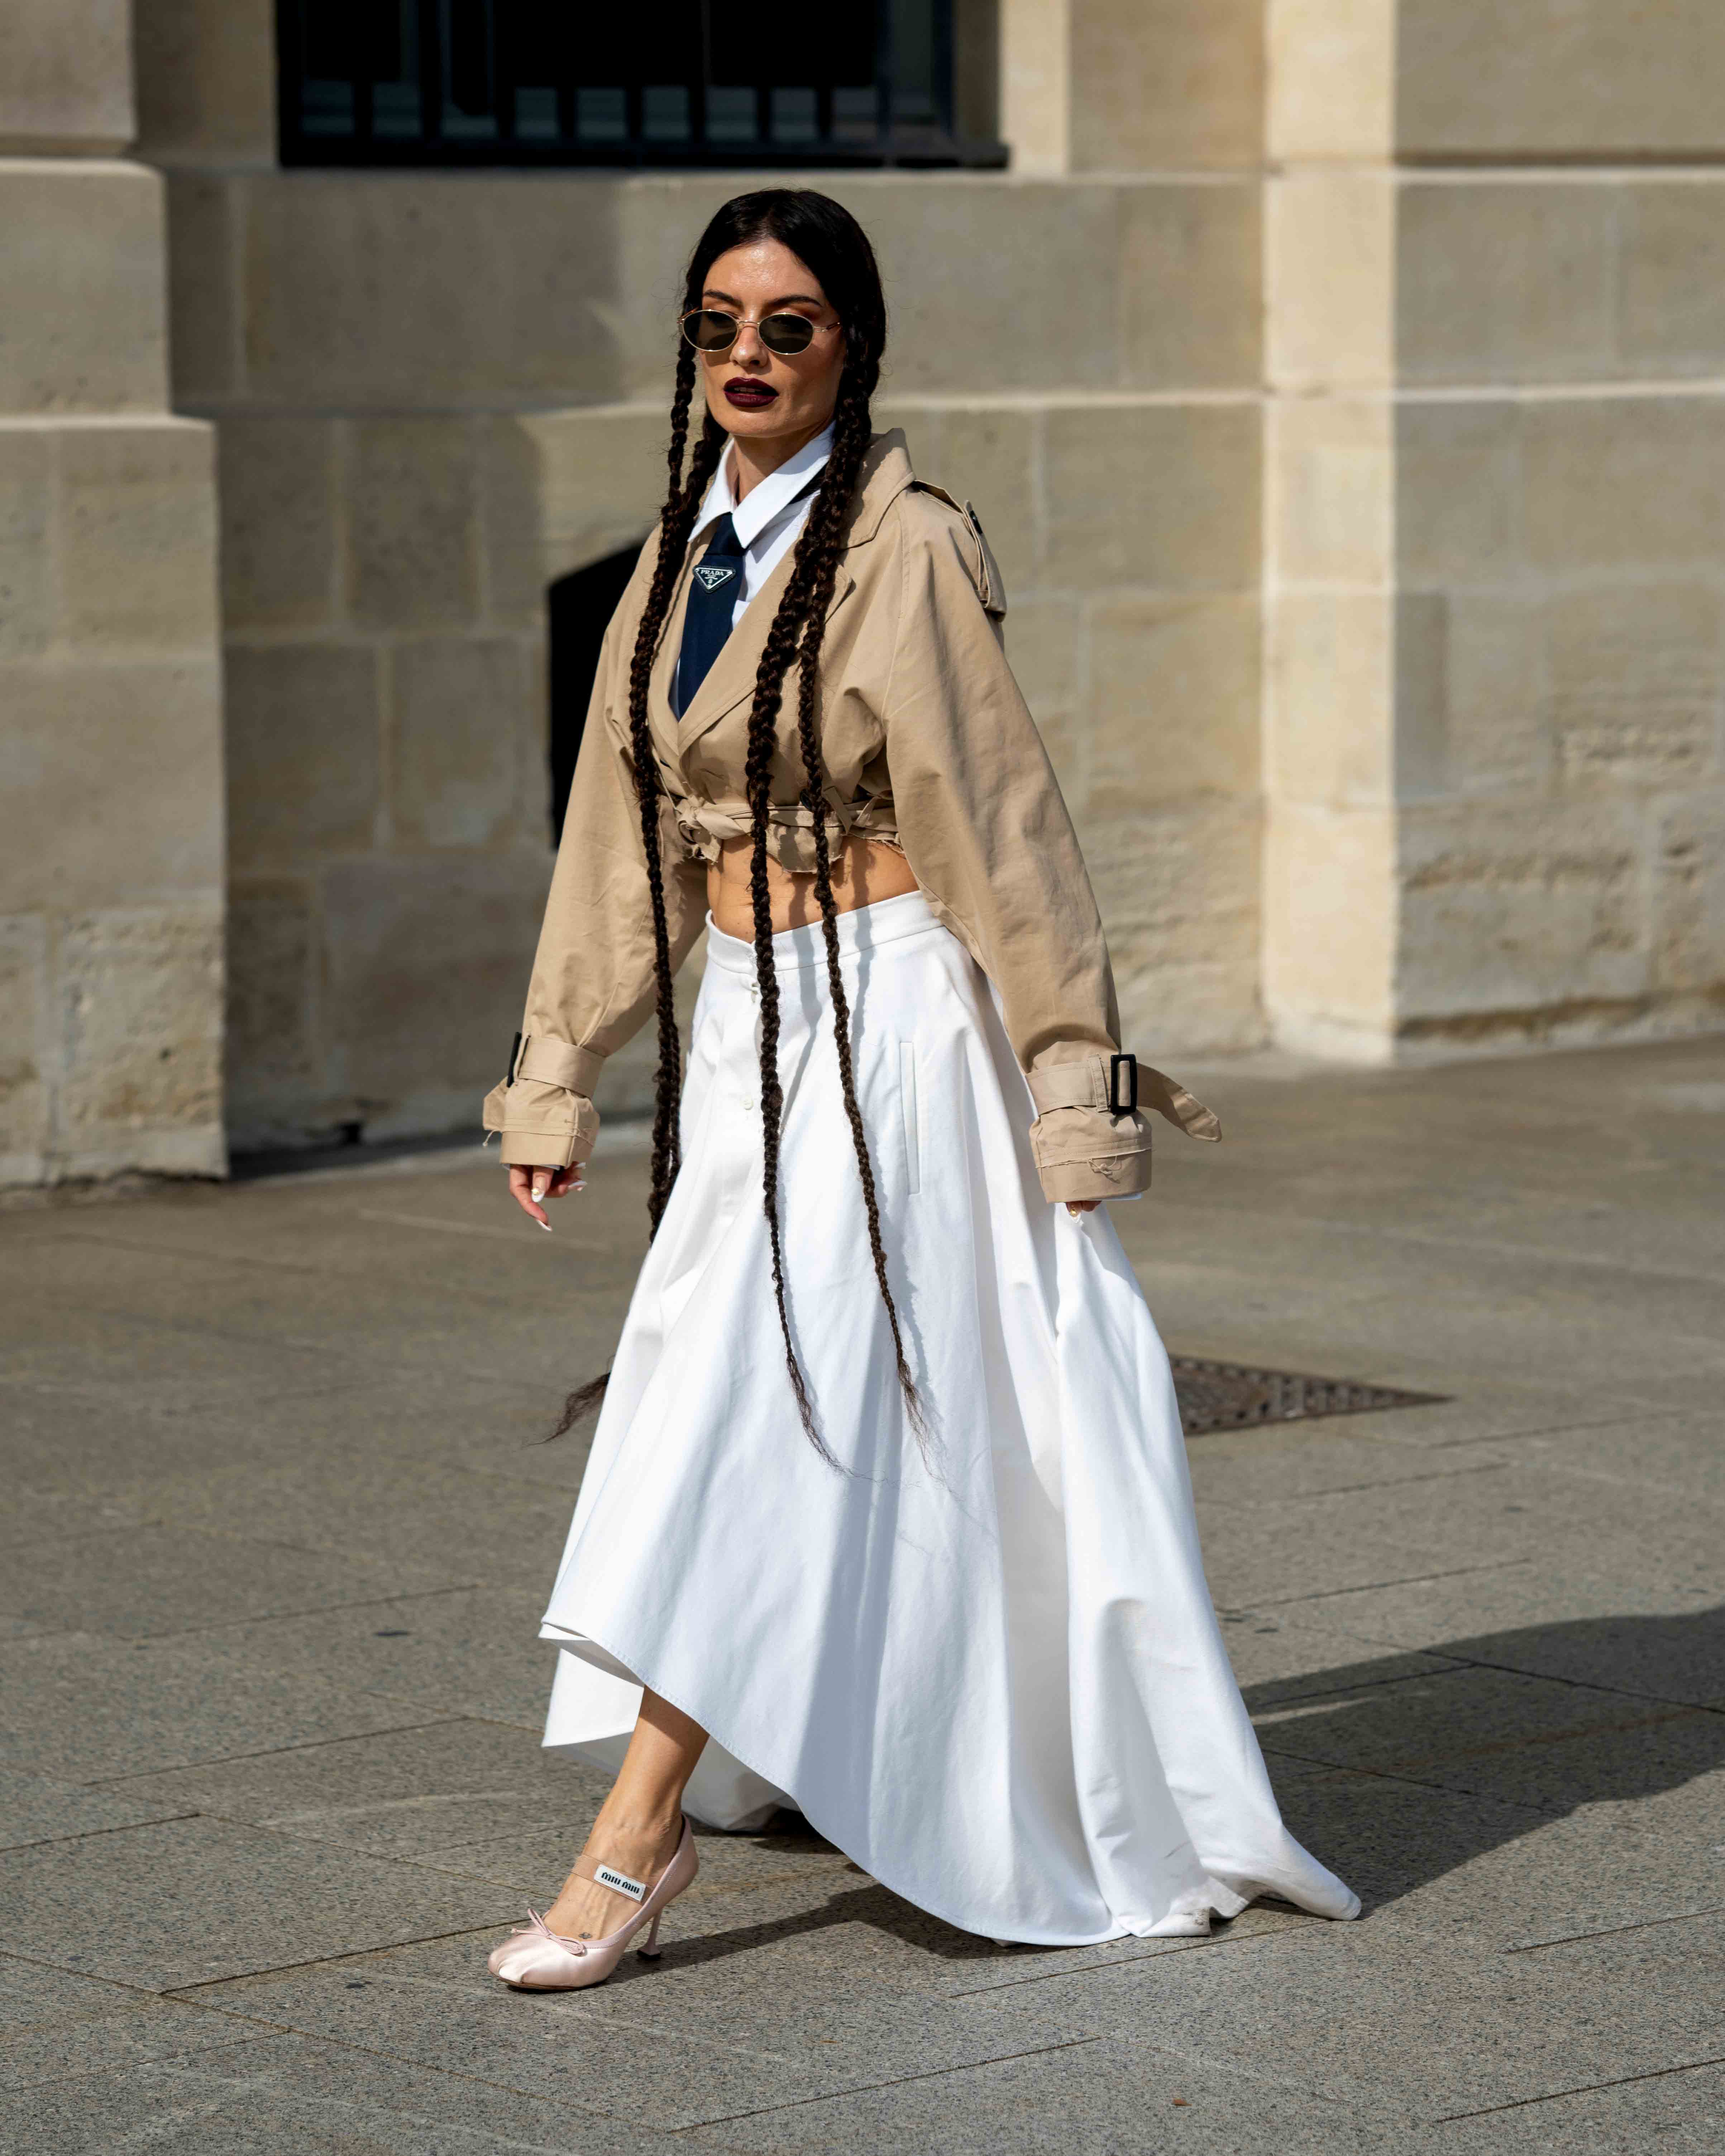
[
  {"x": 1495, "y": 490},
  {"x": 1127, "y": 359},
  {"x": 1329, "y": 566},
  {"x": 110, "y": 874}
]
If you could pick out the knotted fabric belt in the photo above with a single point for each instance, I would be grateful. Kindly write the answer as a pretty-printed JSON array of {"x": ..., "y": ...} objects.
[{"x": 1099, "y": 1081}]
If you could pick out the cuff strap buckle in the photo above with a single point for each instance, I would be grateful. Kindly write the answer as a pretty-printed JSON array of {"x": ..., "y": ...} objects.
[{"x": 1118, "y": 1106}]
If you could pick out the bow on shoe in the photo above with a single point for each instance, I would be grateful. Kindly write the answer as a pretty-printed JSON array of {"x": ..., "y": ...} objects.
[{"x": 538, "y": 1924}]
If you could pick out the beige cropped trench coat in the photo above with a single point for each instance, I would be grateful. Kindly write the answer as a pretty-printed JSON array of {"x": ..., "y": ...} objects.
[{"x": 929, "y": 746}]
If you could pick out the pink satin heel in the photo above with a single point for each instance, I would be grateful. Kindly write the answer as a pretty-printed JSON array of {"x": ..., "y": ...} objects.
[{"x": 537, "y": 1959}]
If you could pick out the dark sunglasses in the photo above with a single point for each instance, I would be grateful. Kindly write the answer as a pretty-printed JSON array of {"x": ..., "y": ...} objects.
[{"x": 711, "y": 329}]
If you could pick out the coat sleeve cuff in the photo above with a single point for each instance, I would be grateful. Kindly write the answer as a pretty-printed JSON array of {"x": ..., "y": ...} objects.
[
  {"x": 1090, "y": 1081},
  {"x": 541, "y": 1124},
  {"x": 1090, "y": 1154}
]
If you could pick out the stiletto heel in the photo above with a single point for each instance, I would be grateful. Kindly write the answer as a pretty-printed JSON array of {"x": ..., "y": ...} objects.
[{"x": 537, "y": 1959}]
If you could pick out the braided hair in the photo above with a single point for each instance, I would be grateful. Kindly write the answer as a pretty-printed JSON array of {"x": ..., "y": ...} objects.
[{"x": 829, "y": 241}]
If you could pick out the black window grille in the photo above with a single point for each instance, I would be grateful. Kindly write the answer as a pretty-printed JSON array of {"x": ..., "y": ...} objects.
[{"x": 661, "y": 82}]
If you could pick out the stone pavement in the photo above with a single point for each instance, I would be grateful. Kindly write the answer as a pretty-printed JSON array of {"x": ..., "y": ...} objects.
[{"x": 278, "y": 1535}]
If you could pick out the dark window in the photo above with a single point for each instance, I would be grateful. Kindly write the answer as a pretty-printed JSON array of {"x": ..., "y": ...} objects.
[
  {"x": 662, "y": 82},
  {"x": 580, "y": 607}
]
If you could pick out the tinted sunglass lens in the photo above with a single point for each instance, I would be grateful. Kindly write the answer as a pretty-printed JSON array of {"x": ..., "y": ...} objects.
[
  {"x": 708, "y": 331},
  {"x": 786, "y": 333}
]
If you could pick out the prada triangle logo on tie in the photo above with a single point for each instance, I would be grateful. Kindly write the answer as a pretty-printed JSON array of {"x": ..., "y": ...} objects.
[{"x": 711, "y": 578}]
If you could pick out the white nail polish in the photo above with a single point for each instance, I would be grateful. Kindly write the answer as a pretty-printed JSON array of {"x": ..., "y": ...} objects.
[{"x": 546, "y": 1224}]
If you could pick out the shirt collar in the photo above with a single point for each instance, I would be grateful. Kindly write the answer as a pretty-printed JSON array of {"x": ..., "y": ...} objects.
[{"x": 764, "y": 502}]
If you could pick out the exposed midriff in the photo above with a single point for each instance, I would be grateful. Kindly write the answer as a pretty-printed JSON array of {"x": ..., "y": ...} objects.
[{"x": 863, "y": 871}]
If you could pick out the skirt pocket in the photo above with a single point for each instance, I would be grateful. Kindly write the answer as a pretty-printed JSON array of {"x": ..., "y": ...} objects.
[{"x": 909, "y": 1116}]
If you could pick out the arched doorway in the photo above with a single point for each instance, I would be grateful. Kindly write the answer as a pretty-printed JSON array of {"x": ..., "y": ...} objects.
[{"x": 578, "y": 609}]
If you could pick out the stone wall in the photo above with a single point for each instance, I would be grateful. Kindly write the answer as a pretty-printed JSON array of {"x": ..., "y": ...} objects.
[{"x": 111, "y": 871}]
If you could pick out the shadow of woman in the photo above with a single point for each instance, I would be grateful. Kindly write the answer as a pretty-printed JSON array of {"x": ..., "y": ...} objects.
[{"x": 1397, "y": 1779}]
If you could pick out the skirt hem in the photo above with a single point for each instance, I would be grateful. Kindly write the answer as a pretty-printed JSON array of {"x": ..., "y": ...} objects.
[{"x": 614, "y": 1663}]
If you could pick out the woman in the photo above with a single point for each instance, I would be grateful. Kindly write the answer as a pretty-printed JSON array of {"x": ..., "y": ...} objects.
[{"x": 887, "y": 1515}]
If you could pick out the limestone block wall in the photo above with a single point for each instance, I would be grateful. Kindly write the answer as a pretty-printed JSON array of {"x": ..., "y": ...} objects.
[
  {"x": 111, "y": 870},
  {"x": 1495, "y": 719},
  {"x": 435, "y": 392}
]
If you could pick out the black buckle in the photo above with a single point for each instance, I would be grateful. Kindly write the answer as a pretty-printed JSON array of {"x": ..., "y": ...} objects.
[
  {"x": 1116, "y": 1105},
  {"x": 514, "y": 1050}
]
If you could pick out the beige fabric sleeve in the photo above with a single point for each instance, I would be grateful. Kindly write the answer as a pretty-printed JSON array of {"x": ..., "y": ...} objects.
[
  {"x": 591, "y": 987},
  {"x": 986, "y": 831}
]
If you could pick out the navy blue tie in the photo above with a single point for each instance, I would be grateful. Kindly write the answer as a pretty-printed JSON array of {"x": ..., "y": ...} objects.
[{"x": 712, "y": 599}]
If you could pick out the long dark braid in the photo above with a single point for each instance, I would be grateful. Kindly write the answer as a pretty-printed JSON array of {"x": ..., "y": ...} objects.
[
  {"x": 797, "y": 631},
  {"x": 675, "y": 521},
  {"x": 821, "y": 233},
  {"x": 850, "y": 439}
]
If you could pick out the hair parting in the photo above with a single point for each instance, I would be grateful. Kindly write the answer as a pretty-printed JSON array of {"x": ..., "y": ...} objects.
[{"x": 825, "y": 236}]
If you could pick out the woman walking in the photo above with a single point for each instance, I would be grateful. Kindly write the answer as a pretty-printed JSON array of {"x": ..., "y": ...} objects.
[{"x": 887, "y": 1515}]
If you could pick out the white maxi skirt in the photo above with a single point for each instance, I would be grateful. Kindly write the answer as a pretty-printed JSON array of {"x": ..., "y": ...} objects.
[{"x": 987, "y": 1669}]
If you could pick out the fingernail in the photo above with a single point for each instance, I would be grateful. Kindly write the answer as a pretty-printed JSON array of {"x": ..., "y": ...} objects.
[{"x": 546, "y": 1224}]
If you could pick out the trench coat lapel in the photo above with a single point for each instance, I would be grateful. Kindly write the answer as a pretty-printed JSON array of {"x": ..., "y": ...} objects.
[{"x": 730, "y": 680}]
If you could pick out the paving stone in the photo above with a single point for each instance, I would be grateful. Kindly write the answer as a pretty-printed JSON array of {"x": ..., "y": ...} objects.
[
  {"x": 471, "y": 1651},
  {"x": 404, "y": 1793},
  {"x": 1317, "y": 1461},
  {"x": 1523, "y": 1605},
  {"x": 82, "y": 1362},
  {"x": 1681, "y": 1456},
  {"x": 1276, "y": 1658},
  {"x": 1677, "y": 2112},
  {"x": 1427, "y": 1860},
  {"x": 86, "y": 1707},
  {"x": 95, "y": 2030},
  {"x": 32, "y": 1991},
  {"x": 268, "y": 2093},
  {"x": 1432, "y": 2024},
  {"x": 191, "y": 1901},
  {"x": 64, "y": 1458},
  {"x": 1520, "y": 1739},
  {"x": 136, "y": 1582},
  {"x": 33, "y": 1808},
  {"x": 1089, "y": 2097},
  {"x": 648, "y": 2044},
  {"x": 460, "y": 1526},
  {"x": 1671, "y": 1655}
]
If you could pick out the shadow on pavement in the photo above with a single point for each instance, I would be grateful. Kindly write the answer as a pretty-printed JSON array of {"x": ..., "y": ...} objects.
[{"x": 1526, "y": 1727}]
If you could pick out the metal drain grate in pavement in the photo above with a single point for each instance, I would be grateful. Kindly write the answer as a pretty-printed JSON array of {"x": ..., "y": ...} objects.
[{"x": 1230, "y": 1396}]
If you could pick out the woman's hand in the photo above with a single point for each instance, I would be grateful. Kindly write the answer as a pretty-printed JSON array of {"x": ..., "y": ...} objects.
[
  {"x": 1076, "y": 1205},
  {"x": 530, "y": 1186}
]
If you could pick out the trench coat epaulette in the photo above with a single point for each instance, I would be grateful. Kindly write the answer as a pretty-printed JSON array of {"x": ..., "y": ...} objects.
[{"x": 984, "y": 570}]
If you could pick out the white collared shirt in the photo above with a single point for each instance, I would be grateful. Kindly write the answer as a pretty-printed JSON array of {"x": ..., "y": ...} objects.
[{"x": 769, "y": 517}]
